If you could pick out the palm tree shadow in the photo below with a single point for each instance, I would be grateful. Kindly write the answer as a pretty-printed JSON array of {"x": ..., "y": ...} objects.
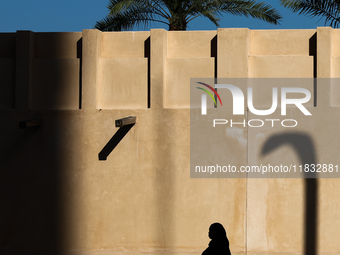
[{"x": 304, "y": 147}]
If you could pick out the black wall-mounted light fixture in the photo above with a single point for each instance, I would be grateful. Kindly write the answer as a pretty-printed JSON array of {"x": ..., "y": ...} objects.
[
  {"x": 124, "y": 124},
  {"x": 30, "y": 123}
]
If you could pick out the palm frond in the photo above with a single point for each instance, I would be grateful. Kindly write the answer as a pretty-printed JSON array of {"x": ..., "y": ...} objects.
[
  {"x": 328, "y": 9},
  {"x": 116, "y": 6},
  {"x": 212, "y": 17},
  {"x": 133, "y": 16},
  {"x": 125, "y": 14},
  {"x": 258, "y": 10}
]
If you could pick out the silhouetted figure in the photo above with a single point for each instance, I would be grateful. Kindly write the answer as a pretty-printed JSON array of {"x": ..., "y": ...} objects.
[{"x": 219, "y": 244}]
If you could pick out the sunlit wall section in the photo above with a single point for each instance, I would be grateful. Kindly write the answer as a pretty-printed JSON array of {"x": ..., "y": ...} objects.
[
  {"x": 190, "y": 55},
  {"x": 124, "y": 70}
]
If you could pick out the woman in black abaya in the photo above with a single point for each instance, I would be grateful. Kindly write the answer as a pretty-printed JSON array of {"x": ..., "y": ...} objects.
[{"x": 219, "y": 244}]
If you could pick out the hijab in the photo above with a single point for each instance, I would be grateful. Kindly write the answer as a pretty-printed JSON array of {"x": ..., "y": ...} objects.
[{"x": 219, "y": 244}]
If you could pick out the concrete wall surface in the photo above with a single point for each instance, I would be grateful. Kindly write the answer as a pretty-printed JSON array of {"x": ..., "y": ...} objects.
[{"x": 57, "y": 197}]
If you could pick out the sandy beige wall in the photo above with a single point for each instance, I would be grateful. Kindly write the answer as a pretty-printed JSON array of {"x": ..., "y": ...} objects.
[{"x": 141, "y": 200}]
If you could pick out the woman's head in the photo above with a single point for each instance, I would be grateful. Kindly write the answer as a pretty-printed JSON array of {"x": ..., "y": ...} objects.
[{"x": 217, "y": 231}]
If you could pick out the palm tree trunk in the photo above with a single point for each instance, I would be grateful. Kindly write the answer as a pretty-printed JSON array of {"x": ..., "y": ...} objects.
[{"x": 177, "y": 26}]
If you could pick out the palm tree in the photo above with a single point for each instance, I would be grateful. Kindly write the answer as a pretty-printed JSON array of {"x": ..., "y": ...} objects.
[
  {"x": 125, "y": 14},
  {"x": 328, "y": 9}
]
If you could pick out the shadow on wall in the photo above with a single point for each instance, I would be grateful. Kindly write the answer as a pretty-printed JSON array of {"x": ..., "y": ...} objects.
[
  {"x": 313, "y": 53},
  {"x": 80, "y": 57},
  {"x": 33, "y": 160},
  {"x": 147, "y": 54},
  {"x": 114, "y": 141},
  {"x": 304, "y": 147},
  {"x": 213, "y": 53}
]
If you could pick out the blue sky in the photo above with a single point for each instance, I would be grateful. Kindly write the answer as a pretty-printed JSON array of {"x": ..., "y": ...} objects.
[{"x": 75, "y": 15}]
